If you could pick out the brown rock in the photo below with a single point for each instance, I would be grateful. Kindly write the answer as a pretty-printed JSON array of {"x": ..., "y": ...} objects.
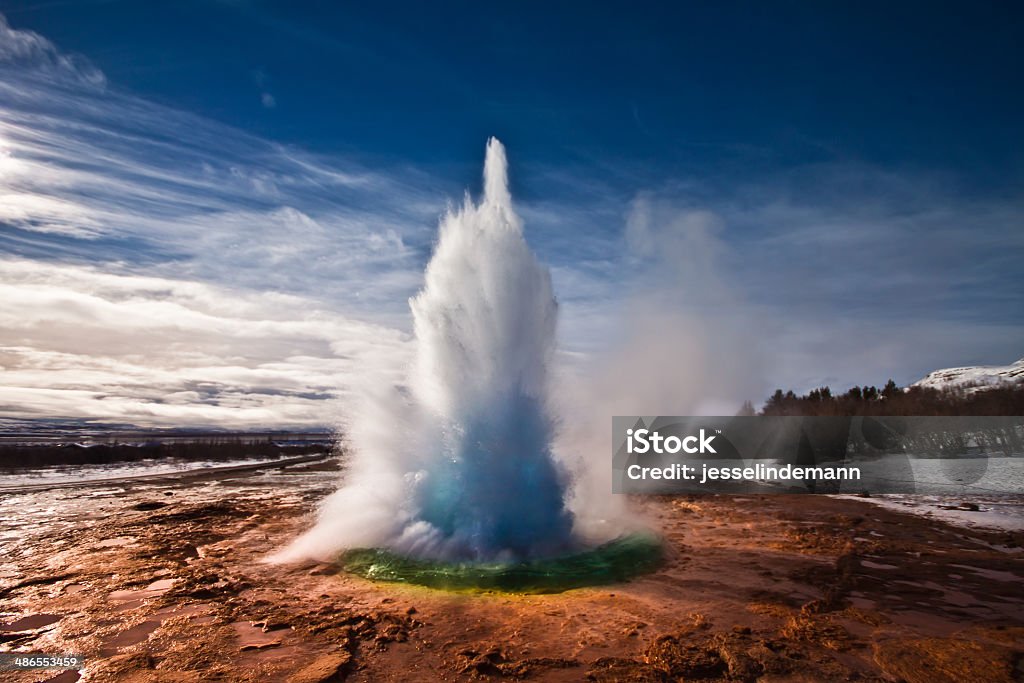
[
  {"x": 325, "y": 669},
  {"x": 164, "y": 677},
  {"x": 687, "y": 661},
  {"x": 323, "y": 570},
  {"x": 136, "y": 660},
  {"x": 741, "y": 665},
  {"x": 618, "y": 669},
  {"x": 267, "y": 625},
  {"x": 945, "y": 660},
  {"x": 817, "y": 631},
  {"x": 768, "y": 660},
  {"x": 139, "y": 668}
]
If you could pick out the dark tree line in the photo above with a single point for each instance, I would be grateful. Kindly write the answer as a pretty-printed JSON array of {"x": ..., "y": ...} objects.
[
  {"x": 892, "y": 400},
  {"x": 946, "y": 438}
]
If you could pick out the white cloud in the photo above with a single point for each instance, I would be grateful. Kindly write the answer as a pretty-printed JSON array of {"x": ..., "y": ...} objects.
[
  {"x": 26, "y": 49},
  {"x": 78, "y": 342}
]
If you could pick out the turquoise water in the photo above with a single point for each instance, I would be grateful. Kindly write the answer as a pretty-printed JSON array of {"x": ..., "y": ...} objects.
[{"x": 612, "y": 562}]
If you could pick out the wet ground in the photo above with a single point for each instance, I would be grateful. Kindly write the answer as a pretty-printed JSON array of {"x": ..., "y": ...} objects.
[{"x": 164, "y": 581}]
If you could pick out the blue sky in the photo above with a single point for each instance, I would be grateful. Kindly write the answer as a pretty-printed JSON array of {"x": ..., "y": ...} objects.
[
  {"x": 215, "y": 212},
  {"x": 664, "y": 86}
]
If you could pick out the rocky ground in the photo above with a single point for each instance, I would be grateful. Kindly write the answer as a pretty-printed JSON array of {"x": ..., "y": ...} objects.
[{"x": 165, "y": 581}]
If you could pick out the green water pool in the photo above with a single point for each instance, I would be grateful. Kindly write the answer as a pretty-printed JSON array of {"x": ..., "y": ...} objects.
[{"x": 617, "y": 560}]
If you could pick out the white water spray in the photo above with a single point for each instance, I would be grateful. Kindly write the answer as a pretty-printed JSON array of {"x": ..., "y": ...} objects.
[{"x": 459, "y": 464}]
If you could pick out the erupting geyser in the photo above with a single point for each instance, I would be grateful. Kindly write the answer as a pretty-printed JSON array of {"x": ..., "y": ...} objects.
[
  {"x": 458, "y": 466},
  {"x": 485, "y": 323}
]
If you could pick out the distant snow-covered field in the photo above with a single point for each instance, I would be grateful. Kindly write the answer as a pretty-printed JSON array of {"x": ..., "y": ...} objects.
[{"x": 65, "y": 474}]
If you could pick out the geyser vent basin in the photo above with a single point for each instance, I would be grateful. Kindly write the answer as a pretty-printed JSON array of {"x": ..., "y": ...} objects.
[{"x": 617, "y": 560}]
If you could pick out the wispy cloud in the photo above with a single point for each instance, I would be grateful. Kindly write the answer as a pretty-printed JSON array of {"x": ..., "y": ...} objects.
[
  {"x": 29, "y": 50},
  {"x": 103, "y": 175}
]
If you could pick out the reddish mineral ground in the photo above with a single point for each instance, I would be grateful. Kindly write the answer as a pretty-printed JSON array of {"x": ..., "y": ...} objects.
[{"x": 164, "y": 580}]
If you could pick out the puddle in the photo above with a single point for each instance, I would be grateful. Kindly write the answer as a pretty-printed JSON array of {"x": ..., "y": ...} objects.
[
  {"x": 30, "y": 622},
  {"x": 993, "y": 574},
  {"x": 117, "y": 542},
  {"x": 862, "y": 603},
  {"x": 132, "y": 636},
  {"x": 877, "y": 565},
  {"x": 65, "y": 677},
  {"x": 129, "y": 605},
  {"x": 162, "y": 585},
  {"x": 288, "y": 653},
  {"x": 253, "y": 638},
  {"x": 153, "y": 590}
]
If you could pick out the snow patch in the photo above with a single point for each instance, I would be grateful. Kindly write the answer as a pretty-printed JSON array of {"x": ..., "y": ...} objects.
[{"x": 974, "y": 377}]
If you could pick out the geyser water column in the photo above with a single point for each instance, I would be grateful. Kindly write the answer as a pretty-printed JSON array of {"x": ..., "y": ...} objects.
[
  {"x": 485, "y": 327},
  {"x": 452, "y": 480}
]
